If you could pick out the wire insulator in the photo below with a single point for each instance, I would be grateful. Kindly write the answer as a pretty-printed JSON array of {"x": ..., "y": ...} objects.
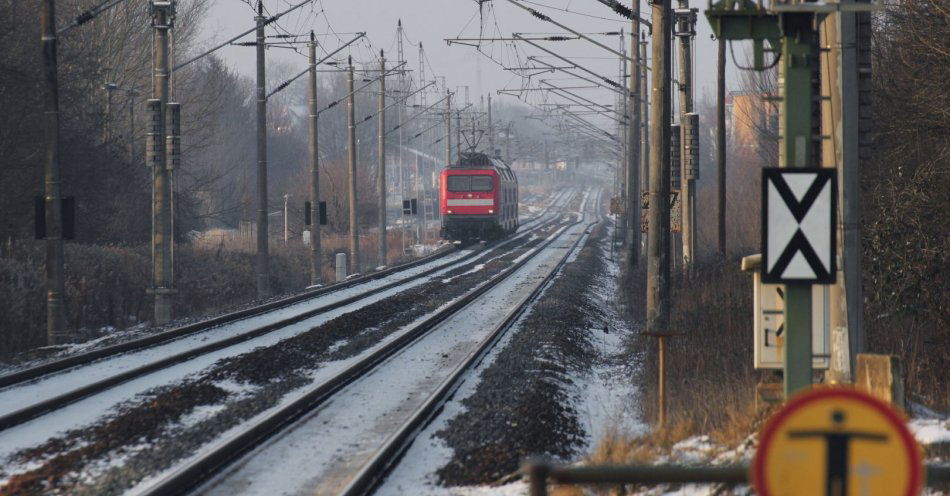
[
  {"x": 623, "y": 10},
  {"x": 540, "y": 15},
  {"x": 85, "y": 17}
]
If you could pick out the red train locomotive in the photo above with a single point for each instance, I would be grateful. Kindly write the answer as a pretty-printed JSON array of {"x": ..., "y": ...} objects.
[{"x": 479, "y": 199}]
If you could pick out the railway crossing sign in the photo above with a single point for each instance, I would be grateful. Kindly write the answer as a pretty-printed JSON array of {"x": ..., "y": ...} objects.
[
  {"x": 837, "y": 442},
  {"x": 799, "y": 221}
]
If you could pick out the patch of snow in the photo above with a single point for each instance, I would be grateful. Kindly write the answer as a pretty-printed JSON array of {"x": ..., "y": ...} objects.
[
  {"x": 202, "y": 412},
  {"x": 470, "y": 271},
  {"x": 694, "y": 450},
  {"x": 930, "y": 431}
]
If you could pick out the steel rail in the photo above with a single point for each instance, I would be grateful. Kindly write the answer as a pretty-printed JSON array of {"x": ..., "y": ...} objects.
[
  {"x": 385, "y": 459},
  {"x": 40, "y": 408},
  {"x": 215, "y": 460},
  {"x": 36, "y": 372}
]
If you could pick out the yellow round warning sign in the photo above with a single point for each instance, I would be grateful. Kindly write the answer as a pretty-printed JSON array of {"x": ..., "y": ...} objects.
[{"x": 837, "y": 442}]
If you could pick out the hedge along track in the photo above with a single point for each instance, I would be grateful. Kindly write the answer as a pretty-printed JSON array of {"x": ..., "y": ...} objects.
[
  {"x": 215, "y": 459},
  {"x": 387, "y": 457},
  {"x": 39, "y": 408}
]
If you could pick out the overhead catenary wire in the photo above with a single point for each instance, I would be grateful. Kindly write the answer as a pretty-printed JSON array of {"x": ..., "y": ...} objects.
[
  {"x": 267, "y": 21},
  {"x": 357, "y": 90},
  {"x": 283, "y": 85}
]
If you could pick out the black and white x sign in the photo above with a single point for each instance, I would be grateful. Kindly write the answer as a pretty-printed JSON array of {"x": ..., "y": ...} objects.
[{"x": 799, "y": 215}]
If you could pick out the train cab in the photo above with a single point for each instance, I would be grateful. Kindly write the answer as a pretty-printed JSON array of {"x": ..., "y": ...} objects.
[{"x": 479, "y": 199}]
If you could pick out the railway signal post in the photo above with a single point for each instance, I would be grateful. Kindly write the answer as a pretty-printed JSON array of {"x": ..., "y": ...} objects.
[{"x": 800, "y": 254}]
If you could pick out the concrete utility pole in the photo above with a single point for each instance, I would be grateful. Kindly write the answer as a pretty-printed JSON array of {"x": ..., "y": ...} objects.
[
  {"x": 316, "y": 255},
  {"x": 644, "y": 133},
  {"x": 658, "y": 262},
  {"x": 458, "y": 134},
  {"x": 508, "y": 144},
  {"x": 131, "y": 143},
  {"x": 351, "y": 158},
  {"x": 623, "y": 141},
  {"x": 839, "y": 117},
  {"x": 162, "y": 279},
  {"x": 856, "y": 128},
  {"x": 286, "y": 223},
  {"x": 381, "y": 151},
  {"x": 658, "y": 253},
  {"x": 55, "y": 278},
  {"x": 448, "y": 128},
  {"x": 491, "y": 131},
  {"x": 721, "y": 144},
  {"x": 107, "y": 115},
  {"x": 685, "y": 30},
  {"x": 263, "y": 270},
  {"x": 633, "y": 145}
]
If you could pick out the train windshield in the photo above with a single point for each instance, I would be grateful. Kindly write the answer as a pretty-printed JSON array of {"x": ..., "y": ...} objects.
[{"x": 462, "y": 184}]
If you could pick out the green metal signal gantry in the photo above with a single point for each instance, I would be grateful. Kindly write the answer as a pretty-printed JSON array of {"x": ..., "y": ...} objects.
[{"x": 788, "y": 30}]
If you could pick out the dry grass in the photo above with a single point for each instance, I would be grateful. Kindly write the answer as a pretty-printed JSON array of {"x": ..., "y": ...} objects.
[
  {"x": 105, "y": 285},
  {"x": 710, "y": 378}
]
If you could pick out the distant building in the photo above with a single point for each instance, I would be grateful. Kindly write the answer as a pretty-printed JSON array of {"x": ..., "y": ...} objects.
[{"x": 752, "y": 118}]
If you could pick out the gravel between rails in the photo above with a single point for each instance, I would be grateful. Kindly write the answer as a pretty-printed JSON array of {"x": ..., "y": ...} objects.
[
  {"x": 108, "y": 457},
  {"x": 519, "y": 407}
]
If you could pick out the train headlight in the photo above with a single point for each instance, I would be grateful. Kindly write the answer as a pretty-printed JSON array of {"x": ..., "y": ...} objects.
[
  {"x": 450, "y": 211},
  {"x": 491, "y": 211}
]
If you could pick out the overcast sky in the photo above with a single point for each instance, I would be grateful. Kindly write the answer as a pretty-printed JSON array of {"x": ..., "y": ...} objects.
[{"x": 432, "y": 21}]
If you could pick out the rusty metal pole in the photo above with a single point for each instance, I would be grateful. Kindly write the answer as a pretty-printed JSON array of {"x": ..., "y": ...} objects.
[
  {"x": 381, "y": 152},
  {"x": 538, "y": 480},
  {"x": 658, "y": 254},
  {"x": 55, "y": 278},
  {"x": 263, "y": 269},
  {"x": 316, "y": 257},
  {"x": 351, "y": 159}
]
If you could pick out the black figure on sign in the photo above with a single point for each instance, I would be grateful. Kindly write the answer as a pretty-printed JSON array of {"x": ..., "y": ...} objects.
[{"x": 837, "y": 444}]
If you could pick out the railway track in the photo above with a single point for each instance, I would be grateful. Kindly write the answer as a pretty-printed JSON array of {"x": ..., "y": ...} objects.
[
  {"x": 32, "y": 383},
  {"x": 79, "y": 359},
  {"x": 373, "y": 473},
  {"x": 215, "y": 460}
]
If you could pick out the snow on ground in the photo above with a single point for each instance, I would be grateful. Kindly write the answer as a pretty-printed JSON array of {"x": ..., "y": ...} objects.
[
  {"x": 88, "y": 410},
  {"x": 358, "y": 419},
  {"x": 607, "y": 396},
  {"x": 415, "y": 473},
  {"x": 930, "y": 431}
]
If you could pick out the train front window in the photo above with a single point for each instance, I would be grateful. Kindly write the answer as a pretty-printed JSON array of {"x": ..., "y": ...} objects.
[
  {"x": 481, "y": 183},
  {"x": 458, "y": 184}
]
